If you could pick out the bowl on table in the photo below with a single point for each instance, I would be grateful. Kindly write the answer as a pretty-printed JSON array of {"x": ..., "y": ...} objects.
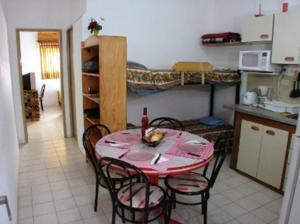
[{"x": 154, "y": 138}]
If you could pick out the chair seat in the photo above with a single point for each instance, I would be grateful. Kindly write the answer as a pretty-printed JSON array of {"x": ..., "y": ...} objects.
[
  {"x": 157, "y": 195},
  {"x": 187, "y": 182}
]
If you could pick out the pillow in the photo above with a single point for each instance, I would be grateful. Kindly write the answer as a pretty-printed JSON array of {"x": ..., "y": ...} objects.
[
  {"x": 184, "y": 66},
  {"x": 135, "y": 65},
  {"x": 91, "y": 65}
]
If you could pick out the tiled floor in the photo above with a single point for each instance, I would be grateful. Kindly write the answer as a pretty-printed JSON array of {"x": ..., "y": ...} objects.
[{"x": 56, "y": 185}]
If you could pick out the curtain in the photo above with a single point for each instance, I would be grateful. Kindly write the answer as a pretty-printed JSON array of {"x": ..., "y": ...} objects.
[{"x": 50, "y": 60}]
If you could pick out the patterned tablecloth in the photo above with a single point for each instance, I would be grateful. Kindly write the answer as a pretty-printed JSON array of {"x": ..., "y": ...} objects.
[{"x": 178, "y": 152}]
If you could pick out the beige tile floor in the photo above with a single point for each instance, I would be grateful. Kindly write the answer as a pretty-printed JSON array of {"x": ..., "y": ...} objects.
[{"x": 56, "y": 186}]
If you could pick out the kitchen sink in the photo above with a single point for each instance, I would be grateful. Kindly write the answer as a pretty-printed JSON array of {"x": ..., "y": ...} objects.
[{"x": 280, "y": 106}]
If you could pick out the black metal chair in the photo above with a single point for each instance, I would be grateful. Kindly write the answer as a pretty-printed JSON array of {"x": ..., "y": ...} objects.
[
  {"x": 166, "y": 122},
  {"x": 90, "y": 137},
  {"x": 191, "y": 184},
  {"x": 42, "y": 96},
  {"x": 137, "y": 201}
]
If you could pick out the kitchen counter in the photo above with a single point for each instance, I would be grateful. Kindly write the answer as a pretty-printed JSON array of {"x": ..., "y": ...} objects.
[{"x": 259, "y": 112}]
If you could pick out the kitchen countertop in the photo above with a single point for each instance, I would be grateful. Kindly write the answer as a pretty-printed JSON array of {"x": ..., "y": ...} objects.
[{"x": 259, "y": 112}]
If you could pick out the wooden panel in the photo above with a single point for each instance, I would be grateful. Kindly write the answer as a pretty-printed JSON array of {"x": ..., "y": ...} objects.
[
  {"x": 273, "y": 150},
  {"x": 89, "y": 53},
  {"x": 113, "y": 91},
  {"x": 286, "y": 41},
  {"x": 249, "y": 148},
  {"x": 184, "y": 66},
  {"x": 90, "y": 82},
  {"x": 257, "y": 29},
  {"x": 88, "y": 104},
  {"x": 48, "y": 36},
  {"x": 91, "y": 41}
]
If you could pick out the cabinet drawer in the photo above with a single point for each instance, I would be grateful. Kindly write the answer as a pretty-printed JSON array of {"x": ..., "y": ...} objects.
[
  {"x": 272, "y": 155},
  {"x": 249, "y": 147}
]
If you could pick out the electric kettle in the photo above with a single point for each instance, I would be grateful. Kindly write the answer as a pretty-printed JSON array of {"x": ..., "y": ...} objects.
[{"x": 250, "y": 98}]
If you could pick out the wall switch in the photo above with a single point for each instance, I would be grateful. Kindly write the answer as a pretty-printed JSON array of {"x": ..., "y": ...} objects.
[{"x": 285, "y": 82}]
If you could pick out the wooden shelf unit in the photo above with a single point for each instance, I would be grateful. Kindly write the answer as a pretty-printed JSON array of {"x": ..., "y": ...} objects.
[
  {"x": 109, "y": 82},
  {"x": 223, "y": 44}
]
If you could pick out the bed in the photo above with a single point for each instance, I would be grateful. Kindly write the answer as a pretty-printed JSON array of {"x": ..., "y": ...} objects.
[
  {"x": 182, "y": 73},
  {"x": 143, "y": 81}
]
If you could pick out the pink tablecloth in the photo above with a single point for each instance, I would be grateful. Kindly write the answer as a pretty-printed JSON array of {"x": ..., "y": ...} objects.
[{"x": 175, "y": 144}]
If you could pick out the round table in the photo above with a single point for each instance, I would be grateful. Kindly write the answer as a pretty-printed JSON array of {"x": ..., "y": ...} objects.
[{"x": 179, "y": 152}]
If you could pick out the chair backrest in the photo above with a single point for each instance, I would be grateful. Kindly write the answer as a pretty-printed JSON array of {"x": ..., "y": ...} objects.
[
  {"x": 221, "y": 147},
  {"x": 167, "y": 122},
  {"x": 42, "y": 90},
  {"x": 108, "y": 167},
  {"x": 89, "y": 138}
]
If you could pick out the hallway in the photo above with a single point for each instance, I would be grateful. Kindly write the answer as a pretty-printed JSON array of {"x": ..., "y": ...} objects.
[
  {"x": 56, "y": 185},
  {"x": 50, "y": 125}
]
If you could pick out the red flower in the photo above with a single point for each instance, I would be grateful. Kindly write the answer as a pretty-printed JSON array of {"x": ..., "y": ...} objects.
[{"x": 94, "y": 25}]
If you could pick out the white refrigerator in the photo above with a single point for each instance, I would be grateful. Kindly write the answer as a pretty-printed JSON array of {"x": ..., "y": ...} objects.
[{"x": 290, "y": 211}]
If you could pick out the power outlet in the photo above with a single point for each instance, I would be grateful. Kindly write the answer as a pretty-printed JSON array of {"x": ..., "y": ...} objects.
[{"x": 285, "y": 82}]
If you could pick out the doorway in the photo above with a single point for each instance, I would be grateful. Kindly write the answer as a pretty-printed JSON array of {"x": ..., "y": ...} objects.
[{"x": 40, "y": 54}]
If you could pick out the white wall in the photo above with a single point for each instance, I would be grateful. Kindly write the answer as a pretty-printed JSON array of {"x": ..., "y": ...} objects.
[
  {"x": 30, "y": 57},
  {"x": 9, "y": 157},
  {"x": 159, "y": 33},
  {"x": 43, "y": 14}
]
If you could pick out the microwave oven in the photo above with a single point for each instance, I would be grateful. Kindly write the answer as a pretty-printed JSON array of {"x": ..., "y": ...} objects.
[{"x": 256, "y": 61}]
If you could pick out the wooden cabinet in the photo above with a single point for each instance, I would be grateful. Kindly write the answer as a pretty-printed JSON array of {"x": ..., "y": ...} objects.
[
  {"x": 272, "y": 155},
  {"x": 261, "y": 149},
  {"x": 249, "y": 148},
  {"x": 257, "y": 29},
  {"x": 104, "y": 88},
  {"x": 286, "y": 40}
]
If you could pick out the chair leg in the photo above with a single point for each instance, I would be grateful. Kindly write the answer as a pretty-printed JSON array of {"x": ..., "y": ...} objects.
[
  {"x": 96, "y": 195},
  {"x": 205, "y": 213},
  {"x": 42, "y": 106},
  {"x": 205, "y": 208},
  {"x": 113, "y": 219},
  {"x": 173, "y": 199},
  {"x": 123, "y": 216},
  {"x": 202, "y": 204},
  {"x": 167, "y": 211}
]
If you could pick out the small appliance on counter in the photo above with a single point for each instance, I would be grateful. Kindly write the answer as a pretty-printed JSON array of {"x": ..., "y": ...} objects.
[
  {"x": 259, "y": 61},
  {"x": 250, "y": 98},
  {"x": 264, "y": 93}
]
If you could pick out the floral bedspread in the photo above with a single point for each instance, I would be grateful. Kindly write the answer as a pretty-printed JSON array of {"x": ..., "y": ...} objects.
[{"x": 166, "y": 79}]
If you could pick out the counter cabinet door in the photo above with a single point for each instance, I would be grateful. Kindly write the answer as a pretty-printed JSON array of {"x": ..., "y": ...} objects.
[
  {"x": 249, "y": 148},
  {"x": 272, "y": 156}
]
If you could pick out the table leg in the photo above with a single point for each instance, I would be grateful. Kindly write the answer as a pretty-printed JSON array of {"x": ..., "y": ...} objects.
[{"x": 155, "y": 181}]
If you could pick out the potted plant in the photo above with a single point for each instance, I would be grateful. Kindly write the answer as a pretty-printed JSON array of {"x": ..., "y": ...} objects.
[{"x": 95, "y": 27}]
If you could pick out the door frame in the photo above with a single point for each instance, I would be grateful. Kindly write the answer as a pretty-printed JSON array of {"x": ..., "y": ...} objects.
[
  {"x": 72, "y": 95},
  {"x": 59, "y": 31}
]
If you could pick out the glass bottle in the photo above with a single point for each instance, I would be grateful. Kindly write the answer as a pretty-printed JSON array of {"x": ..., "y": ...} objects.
[{"x": 145, "y": 122}]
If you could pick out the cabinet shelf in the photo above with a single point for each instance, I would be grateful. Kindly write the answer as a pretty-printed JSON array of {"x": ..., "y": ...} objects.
[
  {"x": 224, "y": 44},
  {"x": 96, "y": 75},
  {"x": 92, "y": 98},
  {"x": 92, "y": 120}
]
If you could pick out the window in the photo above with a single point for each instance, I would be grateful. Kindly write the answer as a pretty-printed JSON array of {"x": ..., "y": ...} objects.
[{"x": 50, "y": 60}]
